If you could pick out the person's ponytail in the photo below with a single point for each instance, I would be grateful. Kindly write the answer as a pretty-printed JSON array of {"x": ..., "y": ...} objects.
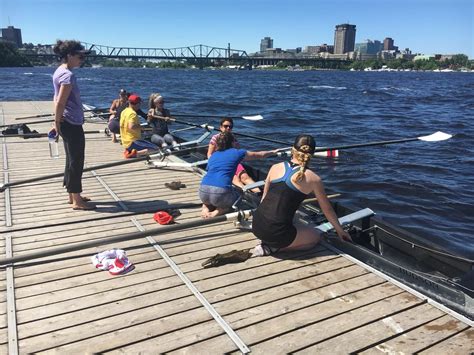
[{"x": 303, "y": 157}]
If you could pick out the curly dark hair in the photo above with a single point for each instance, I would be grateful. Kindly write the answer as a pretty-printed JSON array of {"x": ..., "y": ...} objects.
[
  {"x": 227, "y": 119},
  {"x": 224, "y": 141},
  {"x": 63, "y": 48}
]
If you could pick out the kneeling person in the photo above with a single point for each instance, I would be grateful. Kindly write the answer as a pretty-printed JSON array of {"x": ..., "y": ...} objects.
[
  {"x": 131, "y": 132},
  {"x": 216, "y": 191}
]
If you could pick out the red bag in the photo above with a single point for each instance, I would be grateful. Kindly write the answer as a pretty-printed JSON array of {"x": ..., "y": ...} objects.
[{"x": 163, "y": 217}]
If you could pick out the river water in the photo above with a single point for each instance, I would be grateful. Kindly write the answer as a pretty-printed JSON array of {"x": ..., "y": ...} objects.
[{"x": 426, "y": 188}]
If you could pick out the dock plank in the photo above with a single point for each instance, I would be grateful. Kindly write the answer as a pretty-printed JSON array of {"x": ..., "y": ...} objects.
[
  {"x": 275, "y": 304},
  {"x": 430, "y": 332},
  {"x": 461, "y": 343}
]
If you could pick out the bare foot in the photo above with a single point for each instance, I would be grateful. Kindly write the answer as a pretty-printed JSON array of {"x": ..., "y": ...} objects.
[
  {"x": 204, "y": 211},
  {"x": 143, "y": 152},
  {"x": 83, "y": 198},
  {"x": 83, "y": 207},
  {"x": 218, "y": 212}
]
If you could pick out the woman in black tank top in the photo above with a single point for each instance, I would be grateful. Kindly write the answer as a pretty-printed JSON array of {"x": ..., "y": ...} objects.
[{"x": 286, "y": 186}]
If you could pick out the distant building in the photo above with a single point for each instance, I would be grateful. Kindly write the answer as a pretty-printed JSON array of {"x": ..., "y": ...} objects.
[
  {"x": 446, "y": 57},
  {"x": 369, "y": 47},
  {"x": 405, "y": 54},
  {"x": 274, "y": 50},
  {"x": 323, "y": 48},
  {"x": 424, "y": 57},
  {"x": 12, "y": 34},
  {"x": 294, "y": 51},
  {"x": 265, "y": 44},
  {"x": 387, "y": 55},
  {"x": 344, "y": 56},
  {"x": 344, "y": 38},
  {"x": 388, "y": 44}
]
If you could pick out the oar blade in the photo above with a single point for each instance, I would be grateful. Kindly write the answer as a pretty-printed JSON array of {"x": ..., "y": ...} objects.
[
  {"x": 435, "y": 137},
  {"x": 330, "y": 153},
  {"x": 86, "y": 107},
  {"x": 253, "y": 118}
]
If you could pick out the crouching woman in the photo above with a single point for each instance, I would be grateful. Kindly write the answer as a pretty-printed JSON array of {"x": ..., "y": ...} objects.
[
  {"x": 287, "y": 185},
  {"x": 216, "y": 191}
]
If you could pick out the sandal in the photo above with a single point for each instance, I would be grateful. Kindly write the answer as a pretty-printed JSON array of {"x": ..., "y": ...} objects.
[
  {"x": 231, "y": 257},
  {"x": 175, "y": 185}
]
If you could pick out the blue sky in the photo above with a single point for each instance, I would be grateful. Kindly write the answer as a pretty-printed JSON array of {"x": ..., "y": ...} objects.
[{"x": 424, "y": 26}]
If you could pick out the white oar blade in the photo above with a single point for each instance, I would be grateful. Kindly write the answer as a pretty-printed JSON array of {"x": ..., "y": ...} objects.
[
  {"x": 253, "y": 118},
  {"x": 435, "y": 137},
  {"x": 330, "y": 153},
  {"x": 86, "y": 107}
]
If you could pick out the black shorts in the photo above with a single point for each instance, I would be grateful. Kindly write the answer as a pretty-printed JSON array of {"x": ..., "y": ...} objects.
[
  {"x": 114, "y": 126},
  {"x": 275, "y": 235}
]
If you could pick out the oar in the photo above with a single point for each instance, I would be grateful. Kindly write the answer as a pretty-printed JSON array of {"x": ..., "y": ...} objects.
[
  {"x": 234, "y": 133},
  {"x": 47, "y": 121},
  {"x": 322, "y": 153},
  {"x": 101, "y": 114},
  {"x": 129, "y": 236},
  {"x": 434, "y": 137},
  {"x": 52, "y": 114},
  {"x": 41, "y": 135},
  {"x": 247, "y": 117},
  {"x": 94, "y": 219},
  {"x": 3, "y": 187},
  {"x": 27, "y": 123}
]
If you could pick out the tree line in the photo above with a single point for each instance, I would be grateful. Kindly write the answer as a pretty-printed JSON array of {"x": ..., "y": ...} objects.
[
  {"x": 9, "y": 56},
  {"x": 457, "y": 62}
]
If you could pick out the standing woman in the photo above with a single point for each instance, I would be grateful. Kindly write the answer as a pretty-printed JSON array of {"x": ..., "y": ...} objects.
[
  {"x": 286, "y": 186},
  {"x": 69, "y": 118}
]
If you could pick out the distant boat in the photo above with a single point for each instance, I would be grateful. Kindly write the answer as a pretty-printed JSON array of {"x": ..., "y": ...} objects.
[{"x": 294, "y": 68}]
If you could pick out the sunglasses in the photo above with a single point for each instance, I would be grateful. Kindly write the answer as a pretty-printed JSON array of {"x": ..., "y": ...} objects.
[{"x": 227, "y": 126}]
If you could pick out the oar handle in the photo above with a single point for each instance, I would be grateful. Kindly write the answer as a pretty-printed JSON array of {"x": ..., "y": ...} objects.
[{"x": 314, "y": 199}]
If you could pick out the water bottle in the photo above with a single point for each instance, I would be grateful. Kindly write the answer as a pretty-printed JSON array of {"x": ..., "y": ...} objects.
[{"x": 53, "y": 144}]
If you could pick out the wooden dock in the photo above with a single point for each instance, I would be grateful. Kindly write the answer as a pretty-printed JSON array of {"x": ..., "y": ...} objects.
[{"x": 310, "y": 302}]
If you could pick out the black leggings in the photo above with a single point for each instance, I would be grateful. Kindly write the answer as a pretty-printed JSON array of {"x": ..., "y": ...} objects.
[{"x": 74, "y": 145}]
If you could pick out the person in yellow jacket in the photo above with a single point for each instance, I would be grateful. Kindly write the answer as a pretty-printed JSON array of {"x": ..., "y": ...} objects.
[{"x": 131, "y": 132}]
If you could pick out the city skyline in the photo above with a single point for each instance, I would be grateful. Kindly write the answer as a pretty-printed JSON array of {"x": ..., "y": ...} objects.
[{"x": 423, "y": 26}]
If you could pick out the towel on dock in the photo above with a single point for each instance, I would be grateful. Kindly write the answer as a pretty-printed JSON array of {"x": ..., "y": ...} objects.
[{"x": 114, "y": 261}]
